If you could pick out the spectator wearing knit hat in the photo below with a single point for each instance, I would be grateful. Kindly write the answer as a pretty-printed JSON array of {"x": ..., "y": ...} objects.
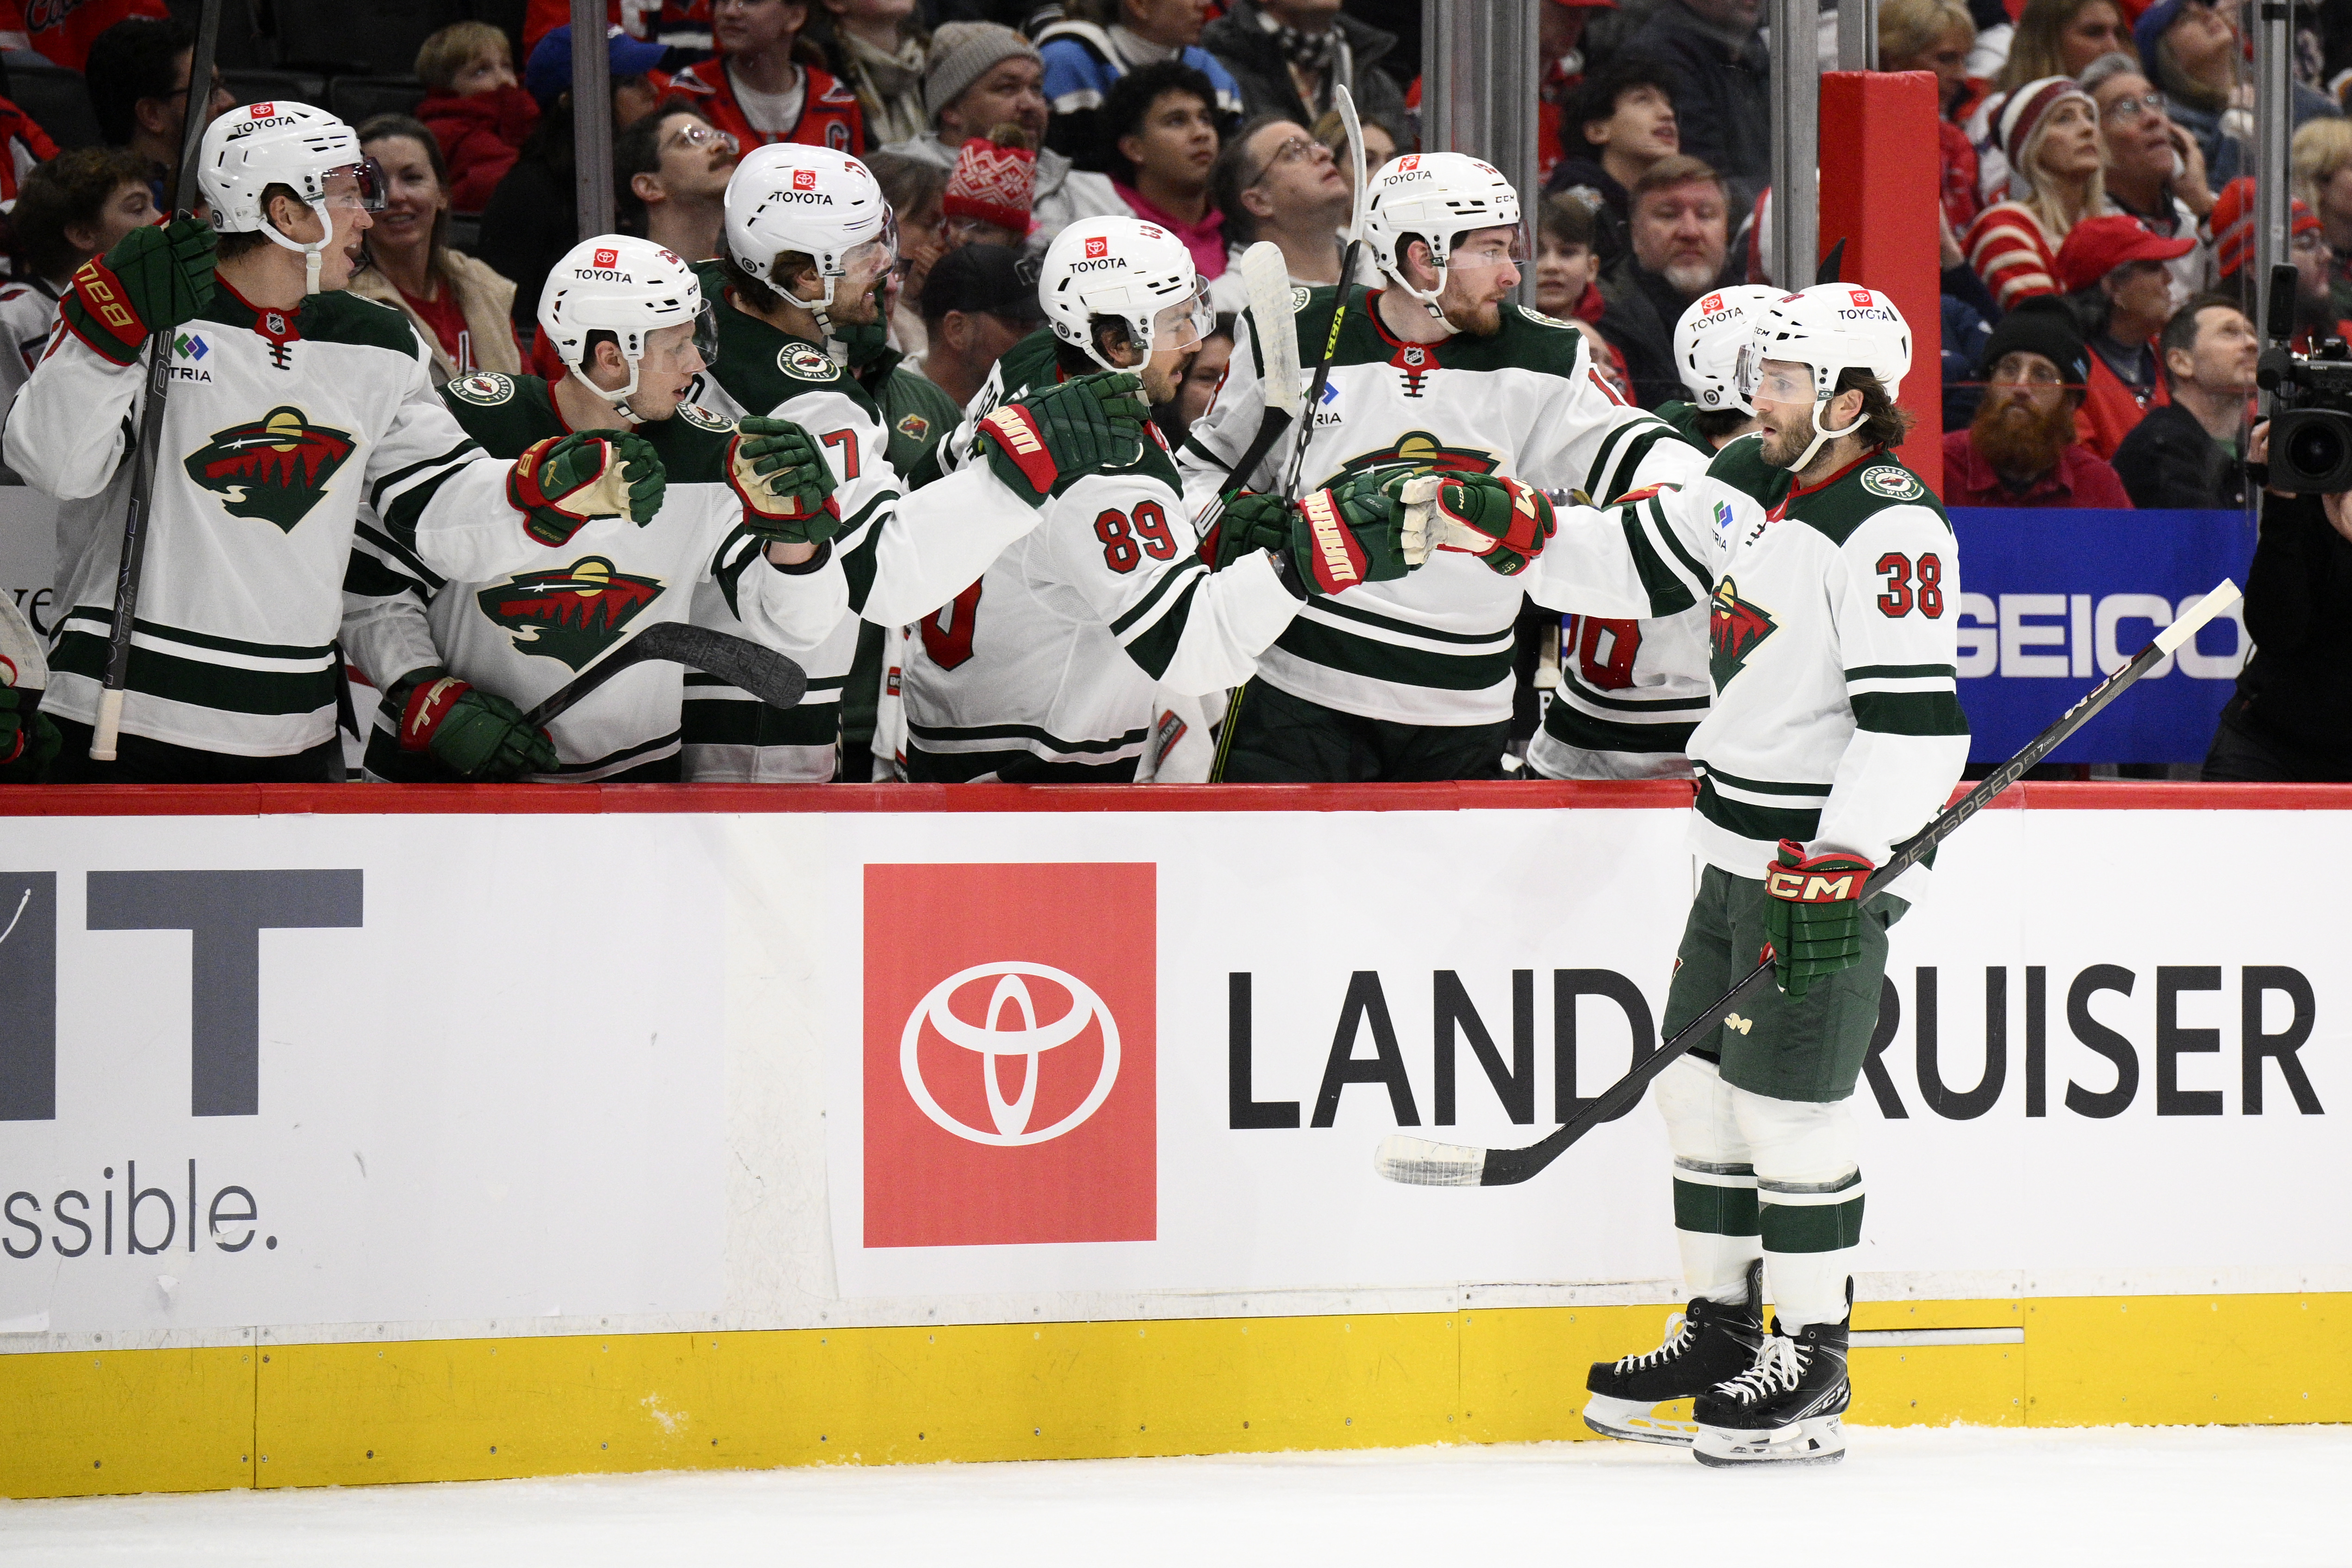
[
  {"x": 2020, "y": 448},
  {"x": 2191, "y": 50},
  {"x": 2050, "y": 131},
  {"x": 2189, "y": 452},
  {"x": 989, "y": 193},
  {"x": 2120, "y": 278},
  {"x": 982, "y": 76},
  {"x": 2307, "y": 248},
  {"x": 1162, "y": 120}
]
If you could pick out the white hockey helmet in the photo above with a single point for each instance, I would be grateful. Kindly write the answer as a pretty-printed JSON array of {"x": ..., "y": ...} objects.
[
  {"x": 250, "y": 149},
  {"x": 1435, "y": 197},
  {"x": 1124, "y": 267},
  {"x": 825, "y": 204},
  {"x": 1708, "y": 340},
  {"x": 1831, "y": 328},
  {"x": 626, "y": 286}
]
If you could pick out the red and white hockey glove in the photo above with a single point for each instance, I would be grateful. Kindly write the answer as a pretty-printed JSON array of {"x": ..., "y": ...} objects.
[
  {"x": 474, "y": 732},
  {"x": 562, "y": 483},
  {"x": 1813, "y": 914},
  {"x": 1093, "y": 424},
  {"x": 1500, "y": 521}
]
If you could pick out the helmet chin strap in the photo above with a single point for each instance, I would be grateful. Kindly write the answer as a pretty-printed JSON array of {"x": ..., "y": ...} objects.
[
  {"x": 314, "y": 253},
  {"x": 1821, "y": 435},
  {"x": 1428, "y": 300}
]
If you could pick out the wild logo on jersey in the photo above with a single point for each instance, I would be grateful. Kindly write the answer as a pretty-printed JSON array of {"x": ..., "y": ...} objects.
[
  {"x": 275, "y": 469},
  {"x": 1421, "y": 449},
  {"x": 572, "y": 613},
  {"x": 1733, "y": 628}
]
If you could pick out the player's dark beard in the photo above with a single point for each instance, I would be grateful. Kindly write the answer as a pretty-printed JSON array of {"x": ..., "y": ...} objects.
[
  {"x": 1478, "y": 320},
  {"x": 2017, "y": 439},
  {"x": 1782, "y": 453}
]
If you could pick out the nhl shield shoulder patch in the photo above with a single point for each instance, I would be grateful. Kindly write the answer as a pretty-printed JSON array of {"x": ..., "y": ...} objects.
[
  {"x": 1892, "y": 483},
  {"x": 702, "y": 419},
  {"x": 483, "y": 389},
  {"x": 802, "y": 363}
]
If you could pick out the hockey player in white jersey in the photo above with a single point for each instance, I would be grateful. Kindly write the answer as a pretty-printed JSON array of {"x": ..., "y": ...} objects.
[
  {"x": 629, "y": 323},
  {"x": 1631, "y": 691},
  {"x": 292, "y": 402},
  {"x": 1044, "y": 669},
  {"x": 1836, "y": 733},
  {"x": 1412, "y": 679}
]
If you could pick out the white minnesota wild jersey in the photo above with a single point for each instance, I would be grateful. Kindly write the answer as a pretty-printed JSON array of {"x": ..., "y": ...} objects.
[
  {"x": 1062, "y": 651},
  {"x": 525, "y": 634},
  {"x": 1434, "y": 647},
  {"x": 1832, "y": 619},
  {"x": 281, "y": 424}
]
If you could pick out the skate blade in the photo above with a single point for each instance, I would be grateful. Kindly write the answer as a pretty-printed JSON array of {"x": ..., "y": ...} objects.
[
  {"x": 1636, "y": 1423},
  {"x": 1818, "y": 1441}
]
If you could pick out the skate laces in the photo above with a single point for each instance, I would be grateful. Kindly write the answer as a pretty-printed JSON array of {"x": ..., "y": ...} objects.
[
  {"x": 1679, "y": 1335},
  {"x": 1778, "y": 1369}
]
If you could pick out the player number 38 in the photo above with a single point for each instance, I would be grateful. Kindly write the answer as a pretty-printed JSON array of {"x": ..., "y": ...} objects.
[{"x": 1901, "y": 596}]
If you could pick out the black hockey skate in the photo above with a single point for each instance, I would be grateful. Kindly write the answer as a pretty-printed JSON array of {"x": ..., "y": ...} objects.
[
  {"x": 1785, "y": 1409},
  {"x": 1707, "y": 1342}
]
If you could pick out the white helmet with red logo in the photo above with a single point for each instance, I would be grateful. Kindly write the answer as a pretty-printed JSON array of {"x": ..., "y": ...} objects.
[
  {"x": 1126, "y": 268},
  {"x": 628, "y": 287},
  {"x": 1435, "y": 197},
  {"x": 825, "y": 204},
  {"x": 248, "y": 149},
  {"x": 1831, "y": 328},
  {"x": 1707, "y": 340}
]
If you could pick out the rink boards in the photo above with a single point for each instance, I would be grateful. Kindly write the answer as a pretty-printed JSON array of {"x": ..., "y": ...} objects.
[{"x": 352, "y": 1135}]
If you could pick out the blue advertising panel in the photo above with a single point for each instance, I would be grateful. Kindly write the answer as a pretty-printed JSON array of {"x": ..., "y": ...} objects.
[{"x": 2053, "y": 602}]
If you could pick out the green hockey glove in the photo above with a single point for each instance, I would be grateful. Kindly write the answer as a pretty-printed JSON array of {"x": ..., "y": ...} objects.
[
  {"x": 155, "y": 279},
  {"x": 1351, "y": 533},
  {"x": 29, "y": 740},
  {"x": 1813, "y": 914},
  {"x": 1058, "y": 433},
  {"x": 778, "y": 472},
  {"x": 864, "y": 343},
  {"x": 484, "y": 737},
  {"x": 1502, "y": 521},
  {"x": 562, "y": 482},
  {"x": 1251, "y": 522}
]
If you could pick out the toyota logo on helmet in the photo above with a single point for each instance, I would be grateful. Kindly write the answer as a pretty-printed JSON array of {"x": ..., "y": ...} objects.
[
  {"x": 608, "y": 258},
  {"x": 1010, "y": 1001}
]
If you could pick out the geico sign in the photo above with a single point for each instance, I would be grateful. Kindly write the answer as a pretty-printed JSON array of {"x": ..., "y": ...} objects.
[
  {"x": 2079, "y": 635},
  {"x": 992, "y": 1041}
]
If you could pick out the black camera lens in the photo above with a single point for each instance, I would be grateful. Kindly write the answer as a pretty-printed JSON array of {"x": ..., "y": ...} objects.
[{"x": 2315, "y": 448}]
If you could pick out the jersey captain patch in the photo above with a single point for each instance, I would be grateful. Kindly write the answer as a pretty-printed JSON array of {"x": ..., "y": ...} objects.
[
  {"x": 702, "y": 419},
  {"x": 1734, "y": 629},
  {"x": 806, "y": 363},
  {"x": 570, "y": 613},
  {"x": 483, "y": 389},
  {"x": 1893, "y": 483},
  {"x": 275, "y": 469}
]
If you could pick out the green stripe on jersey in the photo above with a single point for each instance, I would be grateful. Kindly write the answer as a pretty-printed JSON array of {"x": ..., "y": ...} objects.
[
  {"x": 87, "y": 614},
  {"x": 1900, "y": 672},
  {"x": 1024, "y": 732},
  {"x": 1348, "y": 612},
  {"x": 1156, "y": 646},
  {"x": 225, "y": 689},
  {"x": 1909, "y": 713},
  {"x": 1761, "y": 787},
  {"x": 1585, "y": 732},
  {"x": 1768, "y": 824},
  {"x": 1374, "y": 660},
  {"x": 1669, "y": 594}
]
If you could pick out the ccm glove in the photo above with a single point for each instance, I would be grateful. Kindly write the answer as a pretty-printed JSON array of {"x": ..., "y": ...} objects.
[
  {"x": 484, "y": 737},
  {"x": 155, "y": 279},
  {"x": 29, "y": 740},
  {"x": 1049, "y": 436},
  {"x": 1353, "y": 532},
  {"x": 778, "y": 472},
  {"x": 1813, "y": 914},
  {"x": 561, "y": 483},
  {"x": 1502, "y": 521}
]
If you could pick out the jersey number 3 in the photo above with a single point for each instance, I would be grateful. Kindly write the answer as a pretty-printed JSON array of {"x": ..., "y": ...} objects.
[{"x": 1899, "y": 599}]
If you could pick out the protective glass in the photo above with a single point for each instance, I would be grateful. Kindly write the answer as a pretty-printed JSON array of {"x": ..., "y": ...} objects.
[
  {"x": 1487, "y": 249},
  {"x": 366, "y": 193},
  {"x": 1184, "y": 324}
]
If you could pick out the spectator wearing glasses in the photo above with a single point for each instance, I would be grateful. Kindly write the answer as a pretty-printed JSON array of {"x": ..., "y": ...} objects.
[
  {"x": 978, "y": 302},
  {"x": 1162, "y": 120},
  {"x": 765, "y": 85},
  {"x": 2021, "y": 449},
  {"x": 460, "y": 307},
  {"x": 1275, "y": 181},
  {"x": 138, "y": 79},
  {"x": 1099, "y": 41},
  {"x": 2188, "y": 453},
  {"x": 2119, "y": 278},
  {"x": 2155, "y": 171},
  {"x": 669, "y": 180}
]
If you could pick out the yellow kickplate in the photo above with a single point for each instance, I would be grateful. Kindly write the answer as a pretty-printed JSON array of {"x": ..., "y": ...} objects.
[
  {"x": 2150, "y": 1360},
  {"x": 79, "y": 1422}
]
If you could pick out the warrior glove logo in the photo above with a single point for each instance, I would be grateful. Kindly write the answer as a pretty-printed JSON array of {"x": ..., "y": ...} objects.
[
  {"x": 571, "y": 614},
  {"x": 1734, "y": 629},
  {"x": 275, "y": 469}
]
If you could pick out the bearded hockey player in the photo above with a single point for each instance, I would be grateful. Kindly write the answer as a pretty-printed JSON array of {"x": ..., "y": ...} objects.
[
  {"x": 1044, "y": 669},
  {"x": 1836, "y": 733},
  {"x": 292, "y": 403},
  {"x": 627, "y": 319},
  {"x": 1412, "y": 679},
  {"x": 1631, "y": 691}
]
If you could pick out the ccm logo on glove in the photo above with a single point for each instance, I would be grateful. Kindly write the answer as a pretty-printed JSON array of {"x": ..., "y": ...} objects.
[{"x": 1804, "y": 887}]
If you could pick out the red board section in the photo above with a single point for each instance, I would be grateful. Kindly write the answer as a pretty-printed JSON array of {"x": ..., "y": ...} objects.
[
  {"x": 1879, "y": 181},
  {"x": 1010, "y": 1067}
]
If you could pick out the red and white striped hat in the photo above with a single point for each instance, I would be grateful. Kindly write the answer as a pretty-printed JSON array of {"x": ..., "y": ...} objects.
[{"x": 2026, "y": 109}]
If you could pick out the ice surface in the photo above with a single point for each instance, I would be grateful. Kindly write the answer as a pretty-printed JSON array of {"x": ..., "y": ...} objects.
[{"x": 2177, "y": 1495}]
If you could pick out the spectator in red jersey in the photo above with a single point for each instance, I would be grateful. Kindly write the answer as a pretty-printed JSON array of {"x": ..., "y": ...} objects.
[
  {"x": 1936, "y": 35},
  {"x": 2050, "y": 130},
  {"x": 476, "y": 108},
  {"x": 63, "y": 34},
  {"x": 2019, "y": 450},
  {"x": 460, "y": 307},
  {"x": 2120, "y": 278},
  {"x": 766, "y": 84},
  {"x": 24, "y": 147},
  {"x": 138, "y": 76}
]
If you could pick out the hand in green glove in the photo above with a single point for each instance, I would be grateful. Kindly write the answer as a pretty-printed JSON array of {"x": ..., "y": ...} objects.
[
  {"x": 1250, "y": 522},
  {"x": 1492, "y": 516},
  {"x": 561, "y": 483},
  {"x": 482, "y": 736},
  {"x": 155, "y": 279},
  {"x": 1050, "y": 437},
  {"x": 1351, "y": 533},
  {"x": 1813, "y": 914},
  {"x": 29, "y": 740},
  {"x": 778, "y": 470}
]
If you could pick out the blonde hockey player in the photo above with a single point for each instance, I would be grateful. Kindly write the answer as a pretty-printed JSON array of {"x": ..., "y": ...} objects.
[
  {"x": 1412, "y": 679},
  {"x": 628, "y": 321},
  {"x": 1046, "y": 667},
  {"x": 292, "y": 403}
]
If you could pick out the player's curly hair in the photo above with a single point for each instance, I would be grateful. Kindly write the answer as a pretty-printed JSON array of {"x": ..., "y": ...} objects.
[{"x": 1882, "y": 424}]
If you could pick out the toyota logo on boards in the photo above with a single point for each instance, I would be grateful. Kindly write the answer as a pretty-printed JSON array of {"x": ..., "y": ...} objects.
[{"x": 1008, "y": 1064}]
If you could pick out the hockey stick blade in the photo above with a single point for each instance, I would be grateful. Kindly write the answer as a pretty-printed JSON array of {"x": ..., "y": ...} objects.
[
  {"x": 1420, "y": 1162},
  {"x": 761, "y": 671},
  {"x": 1265, "y": 283}
]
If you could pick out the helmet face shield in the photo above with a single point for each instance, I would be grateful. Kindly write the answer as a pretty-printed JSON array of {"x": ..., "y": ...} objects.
[
  {"x": 1778, "y": 380},
  {"x": 706, "y": 334},
  {"x": 1184, "y": 324},
  {"x": 1487, "y": 250},
  {"x": 366, "y": 193}
]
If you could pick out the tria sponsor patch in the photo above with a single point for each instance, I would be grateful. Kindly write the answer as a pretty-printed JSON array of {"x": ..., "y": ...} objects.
[{"x": 274, "y": 469}]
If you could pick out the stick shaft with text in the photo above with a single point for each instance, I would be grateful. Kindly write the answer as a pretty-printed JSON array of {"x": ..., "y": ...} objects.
[
  {"x": 1417, "y": 1161},
  {"x": 107, "y": 729}
]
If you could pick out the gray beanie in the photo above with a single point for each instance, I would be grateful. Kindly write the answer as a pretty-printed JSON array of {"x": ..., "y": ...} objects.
[{"x": 963, "y": 52}]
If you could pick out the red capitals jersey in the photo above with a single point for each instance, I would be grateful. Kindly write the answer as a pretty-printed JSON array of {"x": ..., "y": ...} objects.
[
  {"x": 829, "y": 113},
  {"x": 62, "y": 29}
]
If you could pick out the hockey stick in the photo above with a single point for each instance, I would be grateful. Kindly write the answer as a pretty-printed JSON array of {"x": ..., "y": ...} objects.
[
  {"x": 1420, "y": 1162},
  {"x": 763, "y": 672},
  {"x": 1347, "y": 103},
  {"x": 127, "y": 571},
  {"x": 1265, "y": 282}
]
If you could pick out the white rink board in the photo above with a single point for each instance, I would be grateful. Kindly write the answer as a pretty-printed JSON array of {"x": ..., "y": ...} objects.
[{"x": 582, "y": 1071}]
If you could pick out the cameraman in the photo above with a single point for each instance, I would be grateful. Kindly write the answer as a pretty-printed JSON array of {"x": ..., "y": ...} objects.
[{"x": 2290, "y": 720}]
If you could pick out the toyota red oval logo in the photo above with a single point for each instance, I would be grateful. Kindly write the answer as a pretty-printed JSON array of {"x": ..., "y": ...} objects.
[{"x": 608, "y": 258}]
